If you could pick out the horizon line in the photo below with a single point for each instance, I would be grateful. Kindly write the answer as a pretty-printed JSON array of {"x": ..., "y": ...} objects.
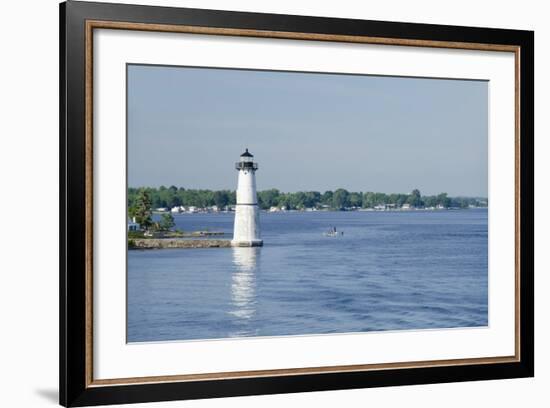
[{"x": 317, "y": 191}]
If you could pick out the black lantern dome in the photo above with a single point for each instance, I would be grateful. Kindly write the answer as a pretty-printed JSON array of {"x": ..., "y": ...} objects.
[
  {"x": 246, "y": 153},
  {"x": 246, "y": 162}
]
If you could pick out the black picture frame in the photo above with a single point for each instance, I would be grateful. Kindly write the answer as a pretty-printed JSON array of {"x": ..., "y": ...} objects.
[{"x": 75, "y": 390}]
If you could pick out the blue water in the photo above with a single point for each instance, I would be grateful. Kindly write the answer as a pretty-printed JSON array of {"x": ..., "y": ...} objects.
[{"x": 390, "y": 271}]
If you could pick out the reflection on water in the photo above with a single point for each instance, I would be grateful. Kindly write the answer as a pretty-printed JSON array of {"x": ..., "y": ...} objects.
[{"x": 243, "y": 283}]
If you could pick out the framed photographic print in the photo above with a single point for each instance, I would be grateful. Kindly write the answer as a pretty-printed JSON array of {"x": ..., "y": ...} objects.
[{"x": 256, "y": 203}]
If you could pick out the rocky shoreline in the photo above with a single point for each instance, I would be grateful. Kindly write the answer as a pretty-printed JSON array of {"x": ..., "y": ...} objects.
[{"x": 161, "y": 243}]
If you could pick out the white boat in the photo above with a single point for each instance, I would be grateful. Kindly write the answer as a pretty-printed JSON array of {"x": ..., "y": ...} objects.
[{"x": 333, "y": 233}]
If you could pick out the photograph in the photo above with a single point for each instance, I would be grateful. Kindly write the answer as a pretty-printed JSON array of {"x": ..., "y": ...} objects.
[{"x": 265, "y": 203}]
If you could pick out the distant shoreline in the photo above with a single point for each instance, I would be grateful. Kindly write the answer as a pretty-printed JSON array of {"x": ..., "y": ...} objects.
[
  {"x": 393, "y": 210},
  {"x": 178, "y": 199}
]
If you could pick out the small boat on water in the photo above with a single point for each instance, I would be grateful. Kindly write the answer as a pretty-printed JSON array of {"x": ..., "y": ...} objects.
[{"x": 332, "y": 232}]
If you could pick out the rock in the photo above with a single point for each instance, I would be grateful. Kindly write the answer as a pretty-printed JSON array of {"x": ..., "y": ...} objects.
[{"x": 160, "y": 243}]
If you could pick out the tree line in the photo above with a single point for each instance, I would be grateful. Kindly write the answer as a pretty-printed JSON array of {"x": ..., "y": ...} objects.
[{"x": 340, "y": 199}]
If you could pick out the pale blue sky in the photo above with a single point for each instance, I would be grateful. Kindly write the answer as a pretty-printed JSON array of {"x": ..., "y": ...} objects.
[{"x": 187, "y": 127}]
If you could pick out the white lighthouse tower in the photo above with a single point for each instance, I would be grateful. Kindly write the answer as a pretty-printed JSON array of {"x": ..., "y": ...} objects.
[{"x": 246, "y": 232}]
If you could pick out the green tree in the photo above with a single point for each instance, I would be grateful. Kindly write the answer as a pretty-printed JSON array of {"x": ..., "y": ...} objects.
[
  {"x": 401, "y": 199},
  {"x": 443, "y": 200},
  {"x": 415, "y": 198},
  {"x": 221, "y": 198},
  {"x": 284, "y": 201},
  {"x": 142, "y": 209},
  {"x": 312, "y": 199},
  {"x": 355, "y": 199},
  {"x": 326, "y": 198},
  {"x": 340, "y": 199},
  {"x": 430, "y": 201},
  {"x": 297, "y": 200},
  {"x": 167, "y": 222},
  {"x": 380, "y": 198},
  {"x": 268, "y": 198},
  {"x": 368, "y": 199}
]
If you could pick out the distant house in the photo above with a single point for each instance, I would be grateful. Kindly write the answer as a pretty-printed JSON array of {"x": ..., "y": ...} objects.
[
  {"x": 133, "y": 225},
  {"x": 406, "y": 206}
]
